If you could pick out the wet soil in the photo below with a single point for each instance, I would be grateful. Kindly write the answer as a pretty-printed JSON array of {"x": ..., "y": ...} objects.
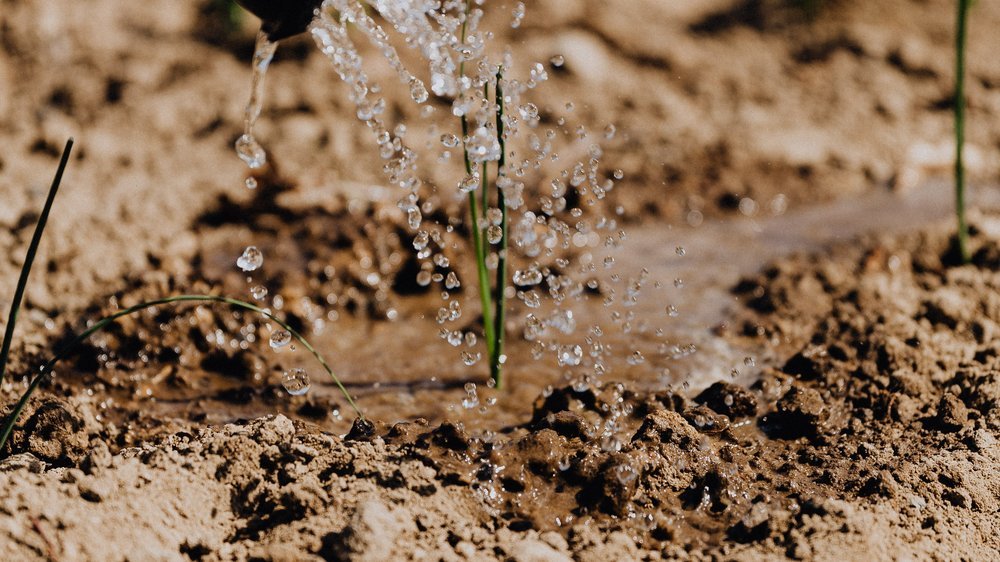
[
  {"x": 841, "y": 403},
  {"x": 875, "y": 435}
]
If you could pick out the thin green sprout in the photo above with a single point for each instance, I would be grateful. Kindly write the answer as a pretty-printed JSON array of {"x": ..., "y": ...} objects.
[
  {"x": 107, "y": 320},
  {"x": 29, "y": 259},
  {"x": 959, "y": 107},
  {"x": 479, "y": 247},
  {"x": 496, "y": 360}
]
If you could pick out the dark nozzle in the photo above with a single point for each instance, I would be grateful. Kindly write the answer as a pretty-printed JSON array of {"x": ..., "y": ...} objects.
[{"x": 282, "y": 18}]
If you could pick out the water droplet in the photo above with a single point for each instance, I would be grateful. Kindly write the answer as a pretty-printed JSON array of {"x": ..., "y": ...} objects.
[
  {"x": 250, "y": 260},
  {"x": 618, "y": 174},
  {"x": 527, "y": 277},
  {"x": 518, "y": 15},
  {"x": 449, "y": 140},
  {"x": 296, "y": 382},
  {"x": 251, "y": 182},
  {"x": 469, "y": 183},
  {"x": 470, "y": 359},
  {"x": 494, "y": 216},
  {"x": 258, "y": 292},
  {"x": 250, "y": 151},
  {"x": 557, "y": 60},
  {"x": 471, "y": 399},
  {"x": 569, "y": 355},
  {"x": 413, "y": 217},
  {"x": 680, "y": 250},
  {"x": 609, "y": 132},
  {"x": 531, "y": 299},
  {"x": 636, "y": 358},
  {"x": 494, "y": 234},
  {"x": 421, "y": 240},
  {"x": 452, "y": 282},
  {"x": 280, "y": 338},
  {"x": 417, "y": 91}
]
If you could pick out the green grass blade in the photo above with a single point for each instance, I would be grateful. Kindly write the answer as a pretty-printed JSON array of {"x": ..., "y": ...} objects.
[
  {"x": 29, "y": 259},
  {"x": 478, "y": 245},
  {"x": 107, "y": 320},
  {"x": 500, "y": 315},
  {"x": 959, "y": 108}
]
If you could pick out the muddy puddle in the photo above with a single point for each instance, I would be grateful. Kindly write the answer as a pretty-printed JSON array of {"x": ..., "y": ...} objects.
[{"x": 671, "y": 337}]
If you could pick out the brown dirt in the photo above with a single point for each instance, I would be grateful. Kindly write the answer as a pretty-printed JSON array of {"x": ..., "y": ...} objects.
[{"x": 872, "y": 436}]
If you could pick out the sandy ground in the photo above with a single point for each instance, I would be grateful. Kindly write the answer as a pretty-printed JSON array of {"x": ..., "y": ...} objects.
[{"x": 870, "y": 432}]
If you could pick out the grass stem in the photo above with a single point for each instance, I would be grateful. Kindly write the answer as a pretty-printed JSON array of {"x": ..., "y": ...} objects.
[
  {"x": 959, "y": 107},
  {"x": 478, "y": 241},
  {"x": 497, "y": 358},
  {"x": 29, "y": 259}
]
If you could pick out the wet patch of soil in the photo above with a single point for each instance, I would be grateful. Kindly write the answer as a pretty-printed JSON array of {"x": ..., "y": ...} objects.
[{"x": 877, "y": 434}]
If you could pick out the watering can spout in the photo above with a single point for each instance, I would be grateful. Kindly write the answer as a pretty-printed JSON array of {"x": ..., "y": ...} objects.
[{"x": 282, "y": 18}]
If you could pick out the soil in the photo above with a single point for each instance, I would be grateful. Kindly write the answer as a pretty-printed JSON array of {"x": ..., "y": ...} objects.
[{"x": 862, "y": 425}]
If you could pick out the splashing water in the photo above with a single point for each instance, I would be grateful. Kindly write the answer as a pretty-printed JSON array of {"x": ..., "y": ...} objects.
[
  {"x": 559, "y": 246},
  {"x": 247, "y": 147}
]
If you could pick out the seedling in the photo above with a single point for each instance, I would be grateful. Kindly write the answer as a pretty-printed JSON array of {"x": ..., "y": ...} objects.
[
  {"x": 483, "y": 233},
  {"x": 103, "y": 323}
]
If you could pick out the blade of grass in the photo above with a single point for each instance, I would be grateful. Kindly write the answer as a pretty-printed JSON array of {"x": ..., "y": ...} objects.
[
  {"x": 107, "y": 320},
  {"x": 497, "y": 358},
  {"x": 29, "y": 259},
  {"x": 477, "y": 234},
  {"x": 959, "y": 107}
]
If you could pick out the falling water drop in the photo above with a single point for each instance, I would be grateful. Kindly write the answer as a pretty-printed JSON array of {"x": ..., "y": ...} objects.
[
  {"x": 250, "y": 260},
  {"x": 417, "y": 91},
  {"x": 469, "y": 183},
  {"x": 413, "y": 217},
  {"x": 470, "y": 359},
  {"x": 296, "y": 382},
  {"x": 494, "y": 234},
  {"x": 519, "y": 11},
  {"x": 471, "y": 399},
  {"x": 570, "y": 355},
  {"x": 280, "y": 338},
  {"x": 250, "y": 151},
  {"x": 527, "y": 277}
]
